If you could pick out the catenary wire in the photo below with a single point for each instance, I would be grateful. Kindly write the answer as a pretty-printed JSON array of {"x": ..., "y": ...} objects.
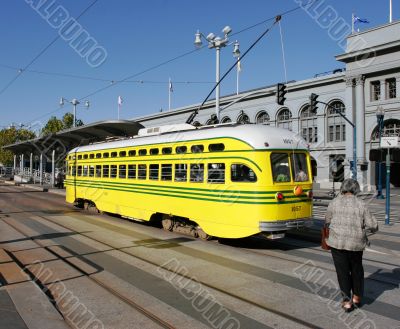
[
  {"x": 21, "y": 71},
  {"x": 176, "y": 58}
]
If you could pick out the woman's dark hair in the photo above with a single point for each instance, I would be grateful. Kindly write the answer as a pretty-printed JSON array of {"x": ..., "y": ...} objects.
[{"x": 350, "y": 185}]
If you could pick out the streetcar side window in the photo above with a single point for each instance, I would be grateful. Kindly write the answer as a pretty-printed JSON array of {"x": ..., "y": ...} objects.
[
  {"x": 79, "y": 157},
  {"x": 98, "y": 155},
  {"x": 79, "y": 171},
  {"x": 242, "y": 173},
  {"x": 142, "y": 152},
  {"x": 166, "y": 150},
  {"x": 85, "y": 156},
  {"x": 197, "y": 172},
  {"x": 113, "y": 171},
  {"x": 216, "y": 147},
  {"x": 91, "y": 156},
  {"x": 180, "y": 149},
  {"x": 91, "y": 171},
  {"x": 153, "y": 171},
  {"x": 98, "y": 170},
  {"x": 280, "y": 167},
  {"x": 197, "y": 148},
  {"x": 216, "y": 173},
  {"x": 106, "y": 155},
  {"x": 166, "y": 172},
  {"x": 122, "y": 171},
  {"x": 106, "y": 171},
  {"x": 154, "y": 151},
  {"x": 131, "y": 153},
  {"x": 73, "y": 171},
  {"x": 131, "y": 171},
  {"x": 299, "y": 167},
  {"x": 114, "y": 154},
  {"x": 180, "y": 172},
  {"x": 142, "y": 171},
  {"x": 85, "y": 170},
  {"x": 122, "y": 153}
]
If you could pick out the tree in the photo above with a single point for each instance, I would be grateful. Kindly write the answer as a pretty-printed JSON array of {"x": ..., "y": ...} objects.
[
  {"x": 10, "y": 136},
  {"x": 68, "y": 120},
  {"x": 52, "y": 126}
]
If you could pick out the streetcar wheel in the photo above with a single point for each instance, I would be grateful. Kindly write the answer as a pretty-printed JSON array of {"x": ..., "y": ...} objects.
[
  {"x": 168, "y": 223},
  {"x": 203, "y": 235}
]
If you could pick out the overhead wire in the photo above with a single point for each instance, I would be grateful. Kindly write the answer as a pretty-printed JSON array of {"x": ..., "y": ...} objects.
[
  {"x": 34, "y": 59},
  {"x": 176, "y": 58}
]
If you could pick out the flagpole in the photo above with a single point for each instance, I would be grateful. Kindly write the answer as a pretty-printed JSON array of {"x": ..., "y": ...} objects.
[
  {"x": 352, "y": 23},
  {"x": 390, "y": 11},
  {"x": 118, "y": 111},
  {"x": 169, "y": 94}
]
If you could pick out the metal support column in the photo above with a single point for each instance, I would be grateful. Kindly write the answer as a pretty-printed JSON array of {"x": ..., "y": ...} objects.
[
  {"x": 41, "y": 169},
  {"x": 53, "y": 167},
  {"x": 31, "y": 165}
]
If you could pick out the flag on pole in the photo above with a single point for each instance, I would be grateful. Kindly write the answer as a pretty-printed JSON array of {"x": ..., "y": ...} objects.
[
  {"x": 120, "y": 100},
  {"x": 357, "y": 19},
  {"x": 239, "y": 66},
  {"x": 171, "y": 89}
]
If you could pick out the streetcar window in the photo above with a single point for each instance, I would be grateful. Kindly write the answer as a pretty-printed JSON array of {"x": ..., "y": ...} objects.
[
  {"x": 142, "y": 171},
  {"x": 153, "y": 171},
  {"x": 79, "y": 157},
  {"x": 69, "y": 158},
  {"x": 73, "y": 171},
  {"x": 142, "y": 152},
  {"x": 98, "y": 155},
  {"x": 85, "y": 170},
  {"x": 197, "y": 148},
  {"x": 242, "y": 173},
  {"x": 181, "y": 149},
  {"x": 106, "y": 171},
  {"x": 166, "y": 172},
  {"x": 98, "y": 171},
  {"x": 216, "y": 173},
  {"x": 79, "y": 170},
  {"x": 113, "y": 171},
  {"x": 106, "y": 155},
  {"x": 280, "y": 167},
  {"x": 197, "y": 172},
  {"x": 216, "y": 147},
  {"x": 180, "y": 172},
  {"x": 91, "y": 156},
  {"x": 166, "y": 150},
  {"x": 299, "y": 167},
  {"x": 114, "y": 154},
  {"x": 85, "y": 156},
  {"x": 122, "y": 153},
  {"x": 132, "y": 171},
  {"x": 154, "y": 151},
  {"x": 91, "y": 171},
  {"x": 132, "y": 153},
  {"x": 122, "y": 171}
]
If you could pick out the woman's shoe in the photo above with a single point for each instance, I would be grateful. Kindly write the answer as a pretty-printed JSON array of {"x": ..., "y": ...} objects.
[
  {"x": 356, "y": 300},
  {"x": 348, "y": 306}
]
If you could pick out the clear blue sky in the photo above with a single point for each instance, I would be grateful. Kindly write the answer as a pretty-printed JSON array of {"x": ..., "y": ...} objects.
[{"x": 138, "y": 35}]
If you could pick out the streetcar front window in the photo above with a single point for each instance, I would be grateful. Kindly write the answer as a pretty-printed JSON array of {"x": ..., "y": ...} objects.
[
  {"x": 299, "y": 167},
  {"x": 280, "y": 167}
]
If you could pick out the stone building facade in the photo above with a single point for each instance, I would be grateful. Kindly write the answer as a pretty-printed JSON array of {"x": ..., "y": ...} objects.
[{"x": 371, "y": 79}]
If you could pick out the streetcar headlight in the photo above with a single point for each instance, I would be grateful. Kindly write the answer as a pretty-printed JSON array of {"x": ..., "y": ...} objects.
[{"x": 298, "y": 190}]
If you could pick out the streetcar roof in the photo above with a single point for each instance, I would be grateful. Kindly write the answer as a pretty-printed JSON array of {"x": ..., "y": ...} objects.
[{"x": 258, "y": 136}]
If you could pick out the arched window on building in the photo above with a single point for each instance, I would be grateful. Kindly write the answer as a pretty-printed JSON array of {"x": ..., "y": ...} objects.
[
  {"x": 243, "y": 118},
  {"x": 263, "y": 118},
  {"x": 226, "y": 120},
  {"x": 336, "y": 124},
  {"x": 284, "y": 119},
  {"x": 391, "y": 127},
  {"x": 308, "y": 124}
]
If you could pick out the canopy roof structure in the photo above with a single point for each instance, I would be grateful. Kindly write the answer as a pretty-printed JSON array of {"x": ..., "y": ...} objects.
[{"x": 66, "y": 140}]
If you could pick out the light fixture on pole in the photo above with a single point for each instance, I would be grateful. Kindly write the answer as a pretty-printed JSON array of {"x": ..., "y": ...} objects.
[
  {"x": 74, "y": 102},
  {"x": 217, "y": 43},
  {"x": 380, "y": 114}
]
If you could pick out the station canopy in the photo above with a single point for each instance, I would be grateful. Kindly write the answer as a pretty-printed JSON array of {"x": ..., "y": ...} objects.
[{"x": 66, "y": 140}]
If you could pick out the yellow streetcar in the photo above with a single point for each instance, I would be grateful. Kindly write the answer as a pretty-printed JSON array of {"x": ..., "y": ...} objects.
[{"x": 228, "y": 180}]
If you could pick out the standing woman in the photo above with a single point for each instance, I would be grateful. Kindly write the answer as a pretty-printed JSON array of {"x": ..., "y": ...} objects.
[{"x": 348, "y": 219}]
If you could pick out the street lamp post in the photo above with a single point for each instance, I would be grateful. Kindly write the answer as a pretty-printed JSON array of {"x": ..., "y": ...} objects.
[
  {"x": 74, "y": 103},
  {"x": 380, "y": 114},
  {"x": 217, "y": 43}
]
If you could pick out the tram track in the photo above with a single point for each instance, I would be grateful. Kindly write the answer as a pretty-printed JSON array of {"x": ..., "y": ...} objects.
[
  {"x": 151, "y": 316},
  {"x": 185, "y": 276}
]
